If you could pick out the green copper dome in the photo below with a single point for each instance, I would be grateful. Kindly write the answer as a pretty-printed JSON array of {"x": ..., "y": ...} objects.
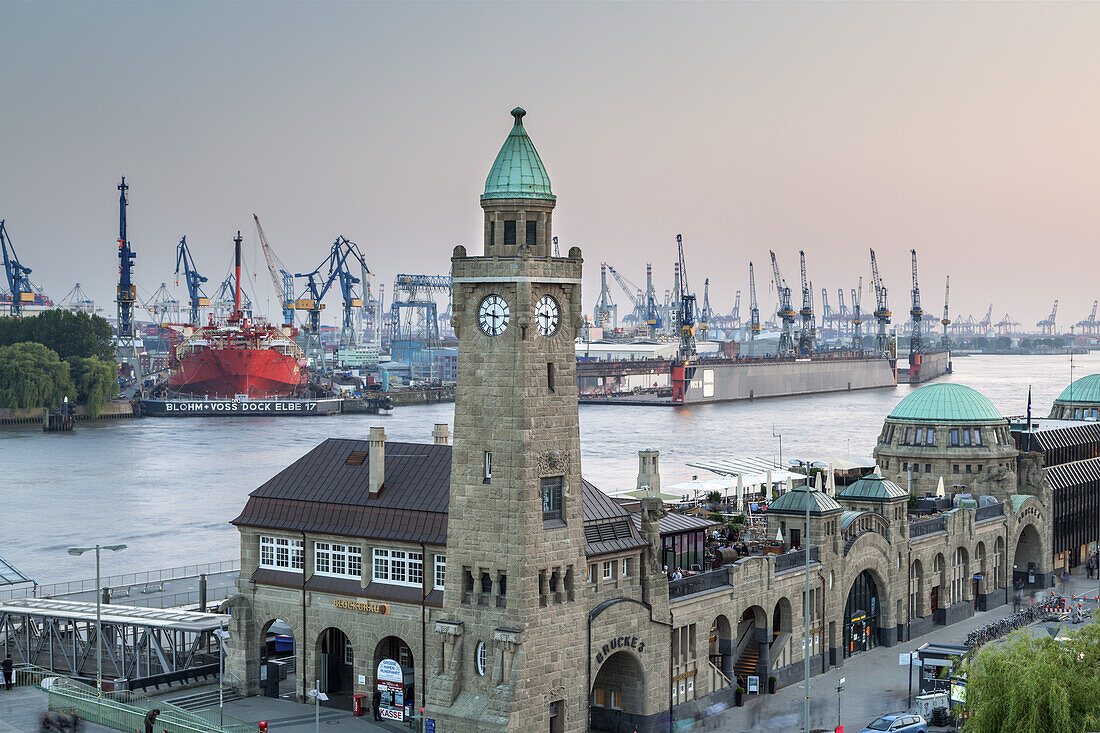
[
  {"x": 794, "y": 502},
  {"x": 517, "y": 173},
  {"x": 873, "y": 487},
  {"x": 1085, "y": 390},
  {"x": 946, "y": 403}
]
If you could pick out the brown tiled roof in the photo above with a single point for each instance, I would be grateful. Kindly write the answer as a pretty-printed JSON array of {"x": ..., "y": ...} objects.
[
  {"x": 324, "y": 492},
  {"x": 674, "y": 523}
]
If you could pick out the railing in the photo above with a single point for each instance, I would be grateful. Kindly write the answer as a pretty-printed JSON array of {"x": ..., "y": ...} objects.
[
  {"x": 796, "y": 559},
  {"x": 698, "y": 583},
  {"x": 128, "y": 579},
  {"x": 989, "y": 511},
  {"x": 928, "y": 526},
  {"x": 183, "y": 598},
  {"x": 28, "y": 675}
]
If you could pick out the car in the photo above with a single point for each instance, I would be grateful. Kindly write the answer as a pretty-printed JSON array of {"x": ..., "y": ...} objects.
[{"x": 898, "y": 723}]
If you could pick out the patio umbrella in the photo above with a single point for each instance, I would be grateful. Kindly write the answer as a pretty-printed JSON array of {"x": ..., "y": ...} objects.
[{"x": 650, "y": 494}]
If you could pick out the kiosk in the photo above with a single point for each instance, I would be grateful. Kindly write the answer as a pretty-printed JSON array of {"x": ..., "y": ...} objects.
[{"x": 394, "y": 684}]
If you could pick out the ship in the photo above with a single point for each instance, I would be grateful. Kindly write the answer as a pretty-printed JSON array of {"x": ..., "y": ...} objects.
[{"x": 241, "y": 359}]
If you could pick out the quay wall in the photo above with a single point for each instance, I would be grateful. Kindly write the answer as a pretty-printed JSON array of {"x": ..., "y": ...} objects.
[
  {"x": 33, "y": 415},
  {"x": 724, "y": 382}
]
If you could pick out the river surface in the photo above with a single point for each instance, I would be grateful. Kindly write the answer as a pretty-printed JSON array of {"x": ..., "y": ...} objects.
[{"x": 168, "y": 487}]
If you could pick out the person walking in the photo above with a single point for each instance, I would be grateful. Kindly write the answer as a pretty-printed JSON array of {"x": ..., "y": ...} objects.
[
  {"x": 151, "y": 719},
  {"x": 376, "y": 703},
  {"x": 1091, "y": 566},
  {"x": 8, "y": 667}
]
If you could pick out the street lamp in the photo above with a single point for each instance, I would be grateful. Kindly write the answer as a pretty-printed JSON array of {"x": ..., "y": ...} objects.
[
  {"x": 77, "y": 551},
  {"x": 839, "y": 689},
  {"x": 319, "y": 697},
  {"x": 222, "y": 635},
  {"x": 806, "y": 607}
]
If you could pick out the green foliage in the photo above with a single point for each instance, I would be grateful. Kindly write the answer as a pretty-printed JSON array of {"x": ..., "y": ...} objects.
[
  {"x": 32, "y": 375},
  {"x": 912, "y": 502},
  {"x": 66, "y": 333},
  {"x": 714, "y": 497},
  {"x": 1036, "y": 685},
  {"x": 95, "y": 381}
]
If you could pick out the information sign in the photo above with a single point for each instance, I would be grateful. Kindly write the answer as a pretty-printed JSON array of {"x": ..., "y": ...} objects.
[{"x": 754, "y": 684}]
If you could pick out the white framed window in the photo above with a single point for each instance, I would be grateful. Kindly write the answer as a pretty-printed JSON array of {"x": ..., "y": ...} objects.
[
  {"x": 624, "y": 567},
  {"x": 337, "y": 560},
  {"x": 591, "y": 578},
  {"x": 280, "y": 553},
  {"x": 398, "y": 567},
  {"x": 349, "y": 654},
  {"x": 482, "y": 658},
  {"x": 440, "y": 571},
  {"x": 609, "y": 570}
]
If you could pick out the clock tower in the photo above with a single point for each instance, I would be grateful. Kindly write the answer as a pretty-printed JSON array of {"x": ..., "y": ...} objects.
[{"x": 511, "y": 650}]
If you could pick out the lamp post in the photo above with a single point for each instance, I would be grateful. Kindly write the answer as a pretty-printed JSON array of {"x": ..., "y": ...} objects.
[
  {"x": 806, "y": 605},
  {"x": 318, "y": 698},
  {"x": 222, "y": 635},
  {"x": 839, "y": 689},
  {"x": 77, "y": 551}
]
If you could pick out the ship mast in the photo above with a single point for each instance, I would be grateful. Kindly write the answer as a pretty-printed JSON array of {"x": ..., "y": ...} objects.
[{"x": 237, "y": 286}]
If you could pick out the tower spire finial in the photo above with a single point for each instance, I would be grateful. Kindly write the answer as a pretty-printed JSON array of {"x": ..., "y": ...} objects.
[{"x": 518, "y": 113}]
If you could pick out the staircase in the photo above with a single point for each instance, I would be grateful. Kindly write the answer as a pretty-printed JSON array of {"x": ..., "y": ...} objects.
[
  {"x": 746, "y": 663},
  {"x": 204, "y": 699}
]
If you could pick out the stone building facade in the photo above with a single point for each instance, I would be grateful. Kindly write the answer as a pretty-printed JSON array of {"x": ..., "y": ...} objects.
[
  {"x": 506, "y": 593},
  {"x": 1079, "y": 401}
]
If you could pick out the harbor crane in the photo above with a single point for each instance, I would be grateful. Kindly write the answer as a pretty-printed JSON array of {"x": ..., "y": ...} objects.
[
  {"x": 22, "y": 292},
  {"x": 916, "y": 339},
  {"x": 280, "y": 278},
  {"x": 192, "y": 279},
  {"x": 685, "y": 316},
  {"x": 1047, "y": 325},
  {"x": 1008, "y": 326},
  {"x": 414, "y": 325},
  {"x": 754, "y": 308},
  {"x": 945, "y": 340},
  {"x": 633, "y": 294},
  {"x": 317, "y": 286},
  {"x": 77, "y": 301},
  {"x": 705, "y": 313},
  {"x": 806, "y": 335},
  {"x": 985, "y": 326},
  {"x": 857, "y": 318},
  {"x": 828, "y": 316},
  {"x": 164, "y": 307},
  {"x": 605, "y": 310},
  {"x": 735, "y": 315},
  {"x": 844, "y": 316},
  {"x": 1088, "y": 326},
  {"x": 653, "y": 319},
  {"x": 785, "y": 312},
  {"x": 126, "y": 295},
  {"x": 882, "y": 310}
]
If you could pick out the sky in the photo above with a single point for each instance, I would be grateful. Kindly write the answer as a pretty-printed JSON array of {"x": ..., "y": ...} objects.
[{"x": 965, "y": 131}]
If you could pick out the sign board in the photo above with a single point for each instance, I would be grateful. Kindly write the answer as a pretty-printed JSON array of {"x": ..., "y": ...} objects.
[
  {"x": 958, "y": 691},
  {"x": 391, "y": 684},
  {"x": 429, "y": 725},
  {"x": 390, "y": 671},
  {"x": 362, "y": 679},
  {"x": 904, "y": 659},
  {"x": 753, "y": 682},
  {"x": 364, "y": 606}
]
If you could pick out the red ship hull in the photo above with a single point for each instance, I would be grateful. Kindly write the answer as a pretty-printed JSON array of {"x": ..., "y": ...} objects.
[{"x": 231, "y": 372}]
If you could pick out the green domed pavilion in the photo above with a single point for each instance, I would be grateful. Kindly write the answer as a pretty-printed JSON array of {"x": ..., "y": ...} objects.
[{"x": 1079, "y": 401}]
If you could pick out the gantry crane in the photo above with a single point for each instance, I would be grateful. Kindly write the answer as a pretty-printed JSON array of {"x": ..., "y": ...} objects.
[
  {"x": 414, "y": 325},
  {"x": 985, "y": 326},
  {"x": 916, "y": 338},
  {"x": 22, "y": 292},
  {"x": 163, "y": 306},
  {"x": 828, "y": 316},
  {"x": 280, "y": 277},
  {"x": 882, "y": 310},
  {"x": 192, "y": 279},
  {"x": 76, "y": 300},
  {"x": 735, "y": 315},
  {"x": 634, "y": 294},
  {"x": 844, "y": 315},
  {"x": 945, "y": 340},
  {"x": 1047, "y": 325},
  {"x": 806, "y": 335},
  {"x": 125, "y": 340},
  {"x": 785, "y": 312},
  {"x": 857, "y": 318},
  {"x": 685, "y": 318},
  {"x": 705, "y": 314},
  {"x": 754, "y": 308},
  {"x": 342, "y": 254},
  {"x": 605, "y": 309},
  {"x": 1088, "y": 326},
  {"x": 652, "y": 310}
]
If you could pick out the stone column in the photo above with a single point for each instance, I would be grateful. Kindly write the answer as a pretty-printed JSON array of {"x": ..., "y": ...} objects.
[{"x": 764, "y": 663}]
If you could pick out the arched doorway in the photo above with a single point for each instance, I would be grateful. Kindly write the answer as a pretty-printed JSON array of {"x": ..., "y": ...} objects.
[
  {"x": 618, "y": 694},
  {"x": 861, "y": 613},
  {"x": 1027, "y": 560},
  {"x": 781, "y": 634},
  {"x": 394, "y": 677},
  {"x": 752, "y": 639},
  {"x": 721, "y": 645},
  {"x": 277, "y": 660},
  {"x": 916, "y": 590},
  {"x": 936, "y": 597},
  {"x": 981, "y": 574},
  {"x": 335, "y": 667},
  {"x": 960, "y": 573}
]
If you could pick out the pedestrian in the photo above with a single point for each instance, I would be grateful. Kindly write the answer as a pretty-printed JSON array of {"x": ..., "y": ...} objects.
[
  {"x": 376, "y": 703},
  {"x": 8, "y": 666},
  {"x": 1091, "y": 566},
  {"x": 151, "y": 719}
]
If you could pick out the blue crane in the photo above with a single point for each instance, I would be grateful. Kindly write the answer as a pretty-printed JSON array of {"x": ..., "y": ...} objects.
[
  {"x": 685, "y": 315},
  {"x": 18, "y": 283},
  {"x": 318, "y": 282},
  {"x": 192, "y": 278}
]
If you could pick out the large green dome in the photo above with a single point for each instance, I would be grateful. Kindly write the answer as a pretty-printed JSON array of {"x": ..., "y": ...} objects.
[
  {"x": 794, "y": 502},
  {"x": 946, "y": 403},
  {"x": 518, "y": 172},
  {"x": 1085, "y": 390},
  {"x": 873, "y": 487}
]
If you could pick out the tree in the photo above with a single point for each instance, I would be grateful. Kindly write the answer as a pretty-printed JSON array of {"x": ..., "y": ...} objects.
[
  {"x": 1036, "y": 685},
  {"x": 66, "y": 333},
  {"x": 95, "y": 381},
  {"x": 33, "y": 376}
]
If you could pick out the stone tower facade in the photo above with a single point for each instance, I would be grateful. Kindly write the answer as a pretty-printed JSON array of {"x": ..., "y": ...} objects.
[{"x": 511, "y": 644}]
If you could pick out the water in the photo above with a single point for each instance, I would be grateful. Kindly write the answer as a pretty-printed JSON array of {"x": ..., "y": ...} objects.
[{"x": 168, "y": 487}]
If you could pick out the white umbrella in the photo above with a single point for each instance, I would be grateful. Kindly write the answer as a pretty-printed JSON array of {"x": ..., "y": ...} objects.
[
  {"x": 779, "y": 535},
  {"x": 940, "y": 493}
]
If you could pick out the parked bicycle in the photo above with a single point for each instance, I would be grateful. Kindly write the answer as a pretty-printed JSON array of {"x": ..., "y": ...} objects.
[{"x": 1002, "y": 627}]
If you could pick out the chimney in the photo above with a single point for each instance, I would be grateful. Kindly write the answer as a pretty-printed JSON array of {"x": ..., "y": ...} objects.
[
  {"x": 377, "y": 460},
  {"x": 649, "y": 472},
  {"x": 441, "y": 434}
]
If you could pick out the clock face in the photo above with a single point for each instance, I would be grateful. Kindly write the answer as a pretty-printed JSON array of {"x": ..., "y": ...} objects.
[
  {"x": 492, "y": 315},
  {"x": 547, "y": 315}
]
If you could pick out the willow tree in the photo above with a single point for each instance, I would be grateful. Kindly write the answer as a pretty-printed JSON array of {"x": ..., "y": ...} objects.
[
  {"x": 1032, "y": 684},
  {"x": 32, "y": 375},
  {"x": 95, "y": 381}
]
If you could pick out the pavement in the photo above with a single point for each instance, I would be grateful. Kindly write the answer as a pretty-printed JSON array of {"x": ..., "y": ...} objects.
[{"x": 21, "y": 711}]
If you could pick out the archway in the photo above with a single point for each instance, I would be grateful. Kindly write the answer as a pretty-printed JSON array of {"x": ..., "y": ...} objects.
[
  {"x": 721, "y": 645},
  {"x": 936, "y": 597},
  {"x": 335, "y": 666},
  {"x": 960, "y": 574},
  {"x": 277, "y": 660},
  {"x": 861, "y": 615},
  {"x": 916, "y": 590},
  {"x": 1000, "y": 577},
  {"x": 394, "y": 677},
  {"x": 753, "y": 643},
  {"x": 781, "y": 634},
  {"x": 618, "y": 694},
  {"x": 1027, "y": 560}
]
